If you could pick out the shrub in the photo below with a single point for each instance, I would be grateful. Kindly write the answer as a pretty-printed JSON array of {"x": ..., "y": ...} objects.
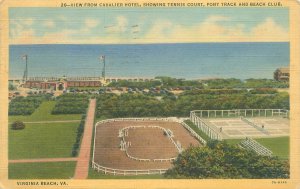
[
  {"x": 17, "y": 125},
  {"x": 71, "y": 104},
  {"x": 26, "y": 105},
  {"x": 222, "y": 160},
  {"x": 80, "y": 129}
]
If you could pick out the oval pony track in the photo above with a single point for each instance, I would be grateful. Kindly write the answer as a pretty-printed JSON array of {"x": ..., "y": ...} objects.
[{"x": 145, "y": 141}]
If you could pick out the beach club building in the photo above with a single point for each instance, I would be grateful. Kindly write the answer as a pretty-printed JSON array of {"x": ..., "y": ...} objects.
[
  {"x": 282, "y": 74},
  {"x": 56, "y": 83}
]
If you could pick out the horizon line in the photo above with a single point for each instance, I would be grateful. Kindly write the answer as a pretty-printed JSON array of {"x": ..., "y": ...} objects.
[{"x": 148, "y": 43}]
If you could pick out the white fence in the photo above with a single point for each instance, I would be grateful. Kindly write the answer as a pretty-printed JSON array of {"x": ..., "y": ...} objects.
[
  {"x": 171, "y": 119},
  {"x": 193, "y": 133},
  {"x": 241, "y": 112},
  {"x": 204, "y": 127},
  {"x": 197, "y": 115},
  {"x": 255, "y": 146},
  {"x": 107, "y": 170}
]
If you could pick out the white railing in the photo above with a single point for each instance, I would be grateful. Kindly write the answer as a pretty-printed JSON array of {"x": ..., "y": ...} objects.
[
  {"x": 107, "y": 170},
  {"x": 135, "y": 158},
  {"x": 249, "y": 143},
  {"x": 193, "y": 133},
  {"x": 204, "y": 127},
  {"x": 241, "y": 112},
  {"x": 137, "y": 119}
]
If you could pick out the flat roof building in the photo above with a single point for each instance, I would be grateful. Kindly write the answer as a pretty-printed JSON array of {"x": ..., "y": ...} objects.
[{"x": 282, "y": 74}]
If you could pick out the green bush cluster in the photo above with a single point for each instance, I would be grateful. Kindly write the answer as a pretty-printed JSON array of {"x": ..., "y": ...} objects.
[
  {"x": 230, "y": 83},
  {"x": 265, "y": 83},
  {"x": 222, "y": 160},
  {"x": 135, "y": 84},
  {"x": 139, "y": 105},
  {"x": 80, "y": 130},
  {"x": 26, "y": 105},
  {"x": 71, "y": 104},
  {"x": 129, "y": 105},
  {"x": 248, "y": 83},
  {"x": 17, "y": 125}
]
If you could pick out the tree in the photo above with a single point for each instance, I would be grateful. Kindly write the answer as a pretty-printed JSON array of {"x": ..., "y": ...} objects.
[
  {"x": 11, "y": 87},
  {"x": 17, "y": 125},
  {"x": 221, "y": 160}
]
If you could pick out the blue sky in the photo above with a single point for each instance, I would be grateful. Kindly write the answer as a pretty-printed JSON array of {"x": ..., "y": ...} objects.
[{"x": 147, "y": 25}]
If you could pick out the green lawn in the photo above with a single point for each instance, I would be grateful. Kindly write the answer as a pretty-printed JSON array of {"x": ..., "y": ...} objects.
[
  {"x": 42, "y": 140},
  {"x": 51, "y": 170},
  {"x": 279, "y": 146},
  {"x": 233, "y": 141},
  {"x": 43, "y": 113}
]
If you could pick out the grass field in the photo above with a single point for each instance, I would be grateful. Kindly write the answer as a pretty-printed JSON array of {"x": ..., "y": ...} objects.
[
  {"x": 43, "y": 113},
  {"x": 233, "y": 141},
  {"x": 44, "y": 140},
  {"x": 279, "y": 146},
  {"x": 51, "y": 170}
]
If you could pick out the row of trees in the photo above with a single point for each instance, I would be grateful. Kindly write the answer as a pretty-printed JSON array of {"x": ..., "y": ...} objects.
[
  {"x": 133, "y": 84},
  {"x": 71, "y": 104},
  {"x": 26, "y": 105},
  {"x": 80, "y": 130},
  {"x": 173, "y": 82},
  {"x": 222, "y": 160},
  {"x": 128, "y": 105},
  {"x": 139, "y": 105},
  {"x": 248, "y": 83},
  {"x": 168, "y": 82}
]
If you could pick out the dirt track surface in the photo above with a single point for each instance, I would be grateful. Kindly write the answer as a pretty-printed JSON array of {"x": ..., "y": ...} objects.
[{"x": 145, "y": 143}]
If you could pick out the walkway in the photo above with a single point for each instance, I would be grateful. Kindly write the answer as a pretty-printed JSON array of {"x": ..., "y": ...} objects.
[
  {"x": 60, "y": 121},
  {"x": 42, "y": 160},
  {"x": 82, "y": 167}
]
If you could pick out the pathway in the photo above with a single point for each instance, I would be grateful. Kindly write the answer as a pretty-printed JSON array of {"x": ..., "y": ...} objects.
[
  {"x": 61, "y": 121},
  {"x": 41, "y": 160},
  {"x": 82, "y": 167}
]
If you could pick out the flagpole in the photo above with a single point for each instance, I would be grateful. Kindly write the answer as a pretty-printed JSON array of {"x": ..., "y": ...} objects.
[
  {"x": 104, "y": 67},
  {"x": 26, "y": 67}
]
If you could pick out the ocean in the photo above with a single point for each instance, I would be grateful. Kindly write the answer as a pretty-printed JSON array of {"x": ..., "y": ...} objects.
[{"x": 188, "y": 60}]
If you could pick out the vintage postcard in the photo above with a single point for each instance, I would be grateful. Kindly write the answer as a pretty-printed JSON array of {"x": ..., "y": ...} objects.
[{"x": 150, "y": 94}]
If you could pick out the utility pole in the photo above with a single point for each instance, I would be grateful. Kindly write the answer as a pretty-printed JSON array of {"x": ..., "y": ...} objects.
[
  {"x": 25, "y": 76},
  {"x": 102, "y": 59}
]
